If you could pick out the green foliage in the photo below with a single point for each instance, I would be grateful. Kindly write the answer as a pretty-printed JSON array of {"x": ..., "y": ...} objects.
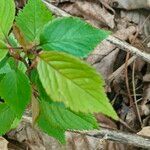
[
  {"x": 15, "y": 90},
  {"x": 7, "y": 14},
  {"x": 61, "y": 119},
  {"x": 15, "y": 123},
  {"x": 47, "y": 127},
  {"x": 5, "y": 69},
  {"x": 32, "y": 19},
  {"x": 13, "y": 41},
  {"x": 16, "y": 64},
  {"x": 3, "y": 53},
  {"x": 3, "y": 49},
  {"x": 65, "y": 90},
  {"x": 67, "y": 79},
  {"x": 7, "y": 116},
  {"x": 71, "y": 35}
]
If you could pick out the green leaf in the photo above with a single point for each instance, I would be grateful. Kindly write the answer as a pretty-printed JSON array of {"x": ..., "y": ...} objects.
[
  {"x": 61, "y": 118},
  {"x": 43, "y": 123},
  {"x": 69, "y": 80},
  {"x": 15, "y": 123},
  {"x": 7, "y": 14},
  {"x": 7, "y": 116},
  {"x": 3, "y": 49},
  {"x": 15, "y": 64},
  {"x": 15, "y": 90},
  {"x": 32, "y": 19},
  {"x": 3, "y": 62},
  {"x": 5, "y": 69},
  {"x": 13, "y": 41},
  {"x": 3, "y": 53},
  {"x": 71, "y": 35},
  {"x": 22, "y": 67}
]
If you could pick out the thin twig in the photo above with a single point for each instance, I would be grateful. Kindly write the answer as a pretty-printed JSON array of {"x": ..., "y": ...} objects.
[
  {"x": 126, "y": 125},
  {"x": 129, "y": 48},
  {"x": 119, "y": 71},
  {"x": 127, "y": 80},
  {"x": 134, "y": 93}
]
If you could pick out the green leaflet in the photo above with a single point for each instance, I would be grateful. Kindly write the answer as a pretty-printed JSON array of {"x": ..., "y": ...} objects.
[
  {"x": 44, "y": 124},
  {"x": 7, "y": 14},
  {"x": 71, "y": 35},
  {"x": 15, "y": 123},
  {"x": 15, "y": 90},
  {"x": 5, "y": 69},
  {"x": 32, "y": 19},
  {"x": 69, "y": 80},
  {"x": 4, "y": 46},
  {"x": 60, "y": 118},
  {"x": 13, "y": 41},
  {"x": 63, "y": 118},
  {"x": 17, "y": 64},
  {"x": 3, "y": 53},
  {"x": 13, "y": 63},
  {"x": 7, "y": 116},
  {"x": 3, "y": 62},
  {"x": 3, "y": 49}
]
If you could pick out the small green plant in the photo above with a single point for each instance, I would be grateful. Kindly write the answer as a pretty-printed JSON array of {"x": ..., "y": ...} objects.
[{"x": 40, "y": 65}]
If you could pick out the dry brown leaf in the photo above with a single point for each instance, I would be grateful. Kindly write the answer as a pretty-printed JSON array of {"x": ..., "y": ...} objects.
[
  {"x": 35, "y": 109},
  {"x": 140, "y": 17},
  {"x": 71, "y": 9},
  {"x": 145, "y": 107},
  {"x": 145, "y": 131},
  {"x": 3, "y": 144},
  {"x": 105, "y": 121},
  {"x": 20, "y": 3},
  {"x": 130, "y": 4},
  {"x": 91, "y": 10},
  {"x": 20, "y": 37}
]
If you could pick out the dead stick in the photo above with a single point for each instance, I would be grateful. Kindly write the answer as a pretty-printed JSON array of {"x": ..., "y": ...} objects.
[
  {"x": 121, "y": 44},
  {"x": 118, "y": 72},
  {"x": 129, "y": 48},
  {"x": 121, "y": 137},
  {"x": 117, "y": 136}
]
